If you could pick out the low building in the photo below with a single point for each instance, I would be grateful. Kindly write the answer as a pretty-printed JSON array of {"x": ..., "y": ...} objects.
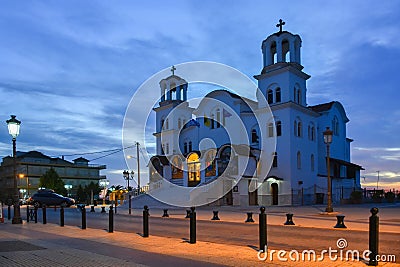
[{"x": 33, "y": 164}]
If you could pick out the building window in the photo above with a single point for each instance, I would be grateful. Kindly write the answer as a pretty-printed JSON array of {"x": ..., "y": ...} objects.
[
  {"x": 298, "y": 160},
  {"x": 193, "y": 165},
  {"x": 166, "y": 124},
  {"x": 312, "y": 162},
  {"x": 270, "y": 97},
  {"x": 298, "y": 96},
  {"x": 278, "y": 95},
  {"x": 218, "y": 118},
  {"x": 275, "y": 160},
  {"x": 167, "y": 148},
  {"x": 162, "y": 149},
  {"x": 270, "y": 129},
  {"x": 312, "y": 133},
  {"x": 299, "y": 129},
  {"x": 190, "y": 146},
  {"x": 335, "y": 126},
  {"x": 278, "y": 128},
  {"x": 210, "y": 163},
  {"x": 295, "y": 128},
  {"x": 254, "y": 136}
]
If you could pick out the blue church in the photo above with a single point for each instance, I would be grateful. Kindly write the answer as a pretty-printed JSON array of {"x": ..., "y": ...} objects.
[{"x": 194, "y": 149}]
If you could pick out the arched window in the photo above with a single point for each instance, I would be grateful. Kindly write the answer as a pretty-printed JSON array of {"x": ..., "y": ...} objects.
[
  {"x": 312, "y": 162},
  {"x": 218, "y": 118},
  {"x": 177, "y": 168},
  {"x": 270, "y": 129},
  {"x": 278, "y": 95},
  {"x": 254, "y": 136},
  {"x": 167, "y": 148},
  {"x": 179, "y": 123},
  {"x": 312, "y": 133},
  {"x": 224, "y": 159},
  {"x": 190, "y": 146},
  {"x": 210, "y": 163},
  {"x": 275, "y": 160},
  {"x": 298, "y": 96},
  {"x": 193, "y": 165},
  {"x": 278, "y": 128},
  {"x": 270, "y": 96},
  {"x": 298, "y": 160},
  {"x": 299, "y": 129},
  {"x": 295, "y": 128},
  {"x": 166, "y": 124},
  {"x": 335, "y": 126},
  {"x": 162, "y": 149}
]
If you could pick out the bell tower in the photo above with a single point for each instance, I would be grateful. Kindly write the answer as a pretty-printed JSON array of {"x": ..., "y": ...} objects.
[
  {"x": 172, "y": 113},
  {"x": 282, "y": 79}
]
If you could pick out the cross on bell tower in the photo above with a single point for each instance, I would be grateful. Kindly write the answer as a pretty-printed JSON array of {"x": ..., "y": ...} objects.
[
  {"x": 280, "y": 24},
  {"x": 173, "y": 69}
]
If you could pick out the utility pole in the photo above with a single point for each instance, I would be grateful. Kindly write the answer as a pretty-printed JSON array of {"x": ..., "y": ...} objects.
[
  {"x": 138, "y": 165},
  {"x": 377, "y": 182}
]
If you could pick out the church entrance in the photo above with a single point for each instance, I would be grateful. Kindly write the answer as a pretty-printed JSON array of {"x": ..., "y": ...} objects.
[
  {"x": 274, "y": 193},
  {"x": 193, "y": 164},
  {"x": 253, "y": 196}
]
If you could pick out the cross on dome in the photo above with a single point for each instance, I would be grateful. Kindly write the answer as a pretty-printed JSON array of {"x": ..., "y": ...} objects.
[
  {"x": 173, "y": 69},
  {"x": 280, "y": 24}
]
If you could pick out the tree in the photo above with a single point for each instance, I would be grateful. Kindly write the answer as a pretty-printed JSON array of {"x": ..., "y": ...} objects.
[
  {"x": 81, "y": 194},
  {"x": 52, "y": 180}
]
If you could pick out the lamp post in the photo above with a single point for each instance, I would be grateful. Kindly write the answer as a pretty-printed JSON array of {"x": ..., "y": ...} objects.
[
  {"x": 328, "y": 140},
  {"x": 13, "y": 129},
  {"x": 68, "y": 187},
  {"x": 128, "y": 176}
]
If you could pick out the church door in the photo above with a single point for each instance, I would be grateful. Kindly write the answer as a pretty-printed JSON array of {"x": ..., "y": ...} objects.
[
  {"x": 274, "y": 193},
  {"x": 253, "y": 197}
]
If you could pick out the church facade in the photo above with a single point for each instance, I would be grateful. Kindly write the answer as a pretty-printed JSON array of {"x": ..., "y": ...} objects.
[{"x": 193, "y": 147}]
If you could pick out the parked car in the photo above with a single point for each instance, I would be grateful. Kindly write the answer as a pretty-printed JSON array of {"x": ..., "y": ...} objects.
[{"x": 50, "y": 198}]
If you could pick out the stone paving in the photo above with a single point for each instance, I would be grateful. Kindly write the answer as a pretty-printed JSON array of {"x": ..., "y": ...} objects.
[{"x": 51, "y": 245}]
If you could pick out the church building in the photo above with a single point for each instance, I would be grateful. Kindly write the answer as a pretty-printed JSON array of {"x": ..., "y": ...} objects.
[{"x": 193, "y": 147}]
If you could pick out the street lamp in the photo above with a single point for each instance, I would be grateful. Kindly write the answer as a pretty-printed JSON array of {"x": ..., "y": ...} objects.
[
  {"x": 13, "y": 129},
  {"x": 104, "y": 183},
  {"x": 328, "y": 140},
  {"x": 128, "y": 176},
  {"x": 68, "y": 187}
]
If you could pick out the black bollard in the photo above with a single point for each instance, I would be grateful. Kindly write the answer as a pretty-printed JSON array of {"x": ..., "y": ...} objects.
[
  {"x": 111, "y": 220},
  {"x": 115, "y": 208},
  {"x": 145, "y": 221},
  {"x": 262, "y": 222},
  {"x": 36, "y": 214},
  {"x": 249, "y": 217},
  {"x": 92, "y": 209},
  {"x": 165, "y": 213},
  {"x": 103, "y": 209},
  {"x": 9, "y": 212},
  {"x": 373, "y": 236},
  {"x": 187, "y": 214},
  {"x": 215, "y": 216},
  {"x": 44, "y": 214},
  {"x": 289, "y": 219},
  {"x": 62, "y": 216},
  {"x": 192, "y": 225},
  {"x": 340, "y": 222},
  {"x": 83, "y": 218},
  {"x": 27, "y": 213},
  {"x": 130, "y": 204}
]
